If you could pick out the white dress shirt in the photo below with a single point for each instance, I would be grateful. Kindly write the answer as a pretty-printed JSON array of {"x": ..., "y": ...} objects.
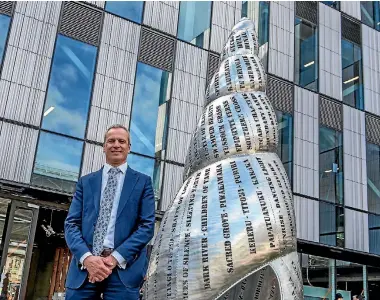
[{"x": 110, "y": 236}]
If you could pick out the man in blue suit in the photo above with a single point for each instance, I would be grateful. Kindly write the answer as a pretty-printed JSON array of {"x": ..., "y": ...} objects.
[{"x": 109, "y": 224}]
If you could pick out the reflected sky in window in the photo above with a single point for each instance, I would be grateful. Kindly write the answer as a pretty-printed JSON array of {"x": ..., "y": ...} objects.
[
  {"x": 70, "y": 85},
  {"x": 194, "y": 22},
  {"x": 4, "y": 27},
  {"x": 58, "y": 157},
  {"x": 148, "y": 118},
  {"x": 131, "y": 10}
]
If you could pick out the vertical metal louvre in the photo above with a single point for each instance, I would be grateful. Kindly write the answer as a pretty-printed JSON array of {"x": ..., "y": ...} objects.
[
  {"x": 280, "y": 94},
  {"x": 351, "y": 29},
  {"x": 157, "y": 49},
  {"x": 212, "y": 66},
  {"x": 330, "y": 113},
  {"x": 307, "y": 10},
  {"x": 81, "y": 22},
  {"x": 372, "y": 127},
  {"x": 6, "y": 7}
]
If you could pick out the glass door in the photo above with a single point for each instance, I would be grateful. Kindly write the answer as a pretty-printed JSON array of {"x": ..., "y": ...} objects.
[{"x": 16, "y": 249}]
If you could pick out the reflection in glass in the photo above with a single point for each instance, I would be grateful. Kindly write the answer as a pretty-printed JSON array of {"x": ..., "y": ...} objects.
[
  {"x": 373, "y": 274},
  {"x": 70, "y": 86},
  {"x": 374, "y": 233},
  {"x": 285, "y": 141},
  {"x": 14, "y": 265},
  {"x": 330, "y": 165},
  {"x": 373, "y": 177},
  {"x": 194, "y": 22},
  {"x": 150, "y": 167},
  {"x": 149, "y": 110},
  {"x": 349, "y": 280},
  {"x": 367, "y": 12},
  {"x": 4, "y": 27},
  {"x": 352, "y": 73},
  {"x": 57, "y": 162},
  {"x": 333, "y": 4},
  {"x": 306, "y": 54},
  {"x": 131, "y": 10},
  {"x": 331, "y": 224},
  {"x": 377, "y": 14}
]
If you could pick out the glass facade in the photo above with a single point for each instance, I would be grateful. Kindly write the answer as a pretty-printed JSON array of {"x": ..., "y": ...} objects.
[
  {"x": 331, "y": 224},
  {"x": 373, "y": 177},
  {"x": 4, "y": 28},
  {"x": 70, "y": 86},
  {"x": 352, "y": 74},
  {"x": 367, "y": 12},
  {"x": 57, "y": 162},
  {"x": 377, "y": 14},
  {"x": 194, "y": 22},
  {"x": 306, "y": 54},
  {"x": 333, "y": 4},
  {"x": 131, "y": 10},
  {"x": 149, "y": 110},
  {"x": 374, "y": 233},
  {"x": 285, "y": 141},
  {"x": 330, "y": 165}
]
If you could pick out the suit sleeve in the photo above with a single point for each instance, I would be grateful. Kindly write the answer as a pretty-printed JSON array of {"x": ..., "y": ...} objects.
[
  {"x": 73, "y": 224},
  {"x": 145, "y": 229}
]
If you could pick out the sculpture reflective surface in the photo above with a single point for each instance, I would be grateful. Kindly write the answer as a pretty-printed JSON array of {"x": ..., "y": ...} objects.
[{"x": 230, "y": 232}]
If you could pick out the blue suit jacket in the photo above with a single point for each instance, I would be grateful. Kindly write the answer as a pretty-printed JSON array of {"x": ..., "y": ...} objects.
[{"x": 134, "y": 225}]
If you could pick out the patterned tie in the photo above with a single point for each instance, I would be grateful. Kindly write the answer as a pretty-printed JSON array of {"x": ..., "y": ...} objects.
[{"x": 105, "y": 211}]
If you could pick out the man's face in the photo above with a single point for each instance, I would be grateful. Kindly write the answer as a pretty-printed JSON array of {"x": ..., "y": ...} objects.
[{"x": 116, "y": 146}]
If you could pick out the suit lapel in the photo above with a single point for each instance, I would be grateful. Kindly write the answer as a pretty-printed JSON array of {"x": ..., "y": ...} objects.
[
  {"x": 130, "y": 181},
  {"x": 96, "y": 187}
]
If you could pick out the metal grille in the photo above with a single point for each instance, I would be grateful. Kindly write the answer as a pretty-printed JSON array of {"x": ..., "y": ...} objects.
[
  {"x": 212, "y": 66},
  {"x": 307, "y": 10},
  {"x": 81, "y": 22},
  {"x": 280, "y": 94},
  {"x": 157, "y": 49},
  {"x": 372, "y": 127},
  {"x": 6, "y": 7},
  {"x": 351, "y": 29},
  {"x": 330, "y": 114}
]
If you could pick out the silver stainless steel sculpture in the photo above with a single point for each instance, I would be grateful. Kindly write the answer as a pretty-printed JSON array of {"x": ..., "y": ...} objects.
[{"x": 230, "y": 232}]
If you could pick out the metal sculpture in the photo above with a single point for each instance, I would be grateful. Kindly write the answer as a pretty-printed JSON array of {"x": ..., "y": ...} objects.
[{"x": 230, "y": 231}]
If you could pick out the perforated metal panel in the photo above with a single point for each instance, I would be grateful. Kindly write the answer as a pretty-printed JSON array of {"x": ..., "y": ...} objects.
[
  {"x": 330, "y": 114},
  {"x": 6, "y": 7},
  {"x": 212, "y": 65},
  {"x": 81, "y": 22},
  {"x": 157, "y": 49},
  {"x": 307, "y": 10},
  {"x": 351, "y": 29},
  {"x": 280, "y": 93},
  {"x": 372, "y": 127}
]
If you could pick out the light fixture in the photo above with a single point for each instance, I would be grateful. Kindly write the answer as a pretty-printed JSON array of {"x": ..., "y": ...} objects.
[
  {"x": 309, "y": 64},
  {"x": 49, "y": 110},
  {"x": 352, "y": 79}
]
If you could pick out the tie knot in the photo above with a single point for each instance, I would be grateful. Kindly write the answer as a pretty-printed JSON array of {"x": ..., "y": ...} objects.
[{"x": 114, "y": 171}]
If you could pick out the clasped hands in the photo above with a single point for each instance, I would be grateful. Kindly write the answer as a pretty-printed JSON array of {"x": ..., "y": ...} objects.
[{"x": 99, "y": 268}]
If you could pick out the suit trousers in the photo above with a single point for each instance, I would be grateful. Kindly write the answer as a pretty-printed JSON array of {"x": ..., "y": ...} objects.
[{"x": 112, "y": 289}]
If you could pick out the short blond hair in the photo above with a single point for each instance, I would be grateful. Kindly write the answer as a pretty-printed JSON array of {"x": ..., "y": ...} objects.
[{"x": 118, "y": 126}]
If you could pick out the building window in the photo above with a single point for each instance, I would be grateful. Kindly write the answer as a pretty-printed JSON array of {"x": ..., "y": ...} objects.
[
  {"x": 306, "y": 54},
  {"x": 194, "y": 22},
  {"x": 367, "y": 11},
  {"x": 149, "y": 110},
  {"x": 57, "y": 162},
  {"x": 330, "y": 165},
  {"x": 374, "y": 234},
  {"x": 70, "y": 85},
  {"x": 249, "y": 9},
  {"x": 285, "y": 141},
  {"x": 331, "y": 224},
  {"x": 150, "y": 167},
  {"x": 333, "y": 4},
  {"x": 352, "y": 74},
  {"x": 377, "y": 14},
  {"x": 4, "y": 28},
  {"x": 131, "y": 10},
  {"x": 373, "y": 177}
]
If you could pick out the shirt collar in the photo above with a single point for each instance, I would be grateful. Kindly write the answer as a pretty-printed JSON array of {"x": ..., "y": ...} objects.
[{"x": 123, "y": 168}]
